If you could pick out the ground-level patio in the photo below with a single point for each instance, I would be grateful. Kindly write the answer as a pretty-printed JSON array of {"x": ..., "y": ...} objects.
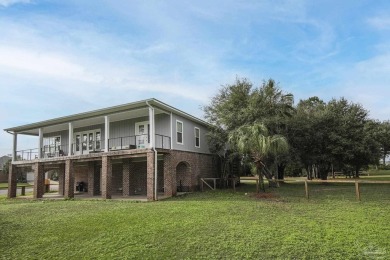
[{"x": 141, "y": 174}]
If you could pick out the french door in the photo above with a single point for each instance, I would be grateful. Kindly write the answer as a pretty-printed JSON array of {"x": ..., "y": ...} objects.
[{"x": 87, "y": 141}]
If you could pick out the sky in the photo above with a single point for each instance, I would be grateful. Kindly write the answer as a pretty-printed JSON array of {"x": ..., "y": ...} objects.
[{"x": 64, "y": 57}]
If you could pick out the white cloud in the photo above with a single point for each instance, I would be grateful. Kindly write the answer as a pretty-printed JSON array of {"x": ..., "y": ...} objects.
[
  {"x": 367, "y": 82},
  {"x": 42, "y": 64},
  {"x": 92, "y": 61},
  {"x": 380, "y": 22},
  {"x": 6, "y": 3}
]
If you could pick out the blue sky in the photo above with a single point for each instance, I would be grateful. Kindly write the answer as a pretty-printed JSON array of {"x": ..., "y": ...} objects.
[{"x": 63, "y": 57}]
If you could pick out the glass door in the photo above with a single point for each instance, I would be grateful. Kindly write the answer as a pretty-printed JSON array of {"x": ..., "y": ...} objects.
[
  {"x": 77, "y": 143},
  {"x": 86, "y": 142},
  {"x": 142, "y": 134}
]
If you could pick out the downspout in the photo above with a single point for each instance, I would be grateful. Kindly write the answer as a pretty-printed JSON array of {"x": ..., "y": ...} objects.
[
  {"x": 171, "y": 144},
  {"x": 154, "y": 150}
]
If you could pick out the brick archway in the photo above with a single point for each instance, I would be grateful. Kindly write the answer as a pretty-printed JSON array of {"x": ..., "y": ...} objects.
[{"x": 183, "y": 177}]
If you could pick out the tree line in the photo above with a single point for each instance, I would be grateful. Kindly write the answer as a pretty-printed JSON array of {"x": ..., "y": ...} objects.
[{"x": 264, "y": 129}]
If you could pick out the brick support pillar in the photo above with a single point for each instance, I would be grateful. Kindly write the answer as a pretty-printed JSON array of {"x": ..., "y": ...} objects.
[
  {"x": 39, "y": 180},
  {"x": 12, "y": 181},
  {"x": 150, "y": 176},
  {"x": 106, "y": 177},
  {"x": 91, "y": 179},
  {"x": 169, "y": 176},
  {"x": 61, "y": 179},
  {"x": 126, "y": 177},
  {"x": 69, "y": 179},
  {"x": 97, "y": 185}
]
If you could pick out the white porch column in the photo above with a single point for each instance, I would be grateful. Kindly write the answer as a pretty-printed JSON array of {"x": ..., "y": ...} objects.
[
  {"x": 70, "y": 139},
  {"x": 152, "y": 130},
  {"x": 40, "y": 143},
  {"x": 14, "y": 146},
  {"x": 171, "y": 132},
  {"x": 106, "y": 132}
]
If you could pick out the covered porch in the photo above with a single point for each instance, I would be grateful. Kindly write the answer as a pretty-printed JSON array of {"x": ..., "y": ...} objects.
[{"x": 139, "y": 126}]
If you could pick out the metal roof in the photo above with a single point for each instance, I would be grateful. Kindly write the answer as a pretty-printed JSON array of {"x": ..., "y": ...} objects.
[{"x": 104, "y": 112}]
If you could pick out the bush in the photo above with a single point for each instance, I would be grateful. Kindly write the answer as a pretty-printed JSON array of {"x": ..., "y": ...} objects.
[{"x": 384, "y": 167}]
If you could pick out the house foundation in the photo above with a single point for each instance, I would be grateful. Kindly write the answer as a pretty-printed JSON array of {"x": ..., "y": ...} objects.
[{"x": 122, "y": 174}]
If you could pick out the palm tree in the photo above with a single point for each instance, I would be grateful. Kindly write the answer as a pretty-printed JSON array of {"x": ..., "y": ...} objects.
[{"x": 255, "y": 141}]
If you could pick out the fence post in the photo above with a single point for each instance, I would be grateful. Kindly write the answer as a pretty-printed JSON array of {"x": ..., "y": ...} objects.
[
  {"x": 357, "y": 190},
  {"x": 201, "y": 183},
  {"x": 306, "y": 189},
  {"x": 23, "y": 190}
]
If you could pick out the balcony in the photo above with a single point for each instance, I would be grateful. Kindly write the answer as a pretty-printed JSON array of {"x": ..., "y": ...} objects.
[{"x": 94, "y": 146}]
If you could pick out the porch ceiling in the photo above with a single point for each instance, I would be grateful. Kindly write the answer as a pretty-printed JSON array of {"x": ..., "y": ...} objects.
[{"x": 141, "y": 112}]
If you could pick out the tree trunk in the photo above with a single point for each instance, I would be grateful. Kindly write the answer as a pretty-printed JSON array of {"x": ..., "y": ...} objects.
[
  {"x": 281, "y": 168},
  {"x": 309, "y": 177},
  {"x": 357, "y": 169},
  {"x": 333, "y": 174},
  {"x": 259, "y": 172},
  {"x": 323, "y": 172}
]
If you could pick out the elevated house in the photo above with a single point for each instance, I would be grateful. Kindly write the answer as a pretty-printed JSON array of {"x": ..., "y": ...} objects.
[{"x": 145, "y": 148}]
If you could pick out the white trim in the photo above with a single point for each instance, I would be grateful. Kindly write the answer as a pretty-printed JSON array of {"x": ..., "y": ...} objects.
[
  {"x": 182, "y": 132},
  {"x": 171, "y": 132},
  {"x": 70, "y": 138},
  {"x": 14, "y": 146},
  {"x": 195, "y": 136},
  {"x": 151, "y": 132},
  {"x": 40, "y": 143},
  {"x": 106, "y": 132}
]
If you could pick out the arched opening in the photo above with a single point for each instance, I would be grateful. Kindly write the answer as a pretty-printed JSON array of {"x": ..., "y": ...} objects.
[{"x": 183, "y": 177}]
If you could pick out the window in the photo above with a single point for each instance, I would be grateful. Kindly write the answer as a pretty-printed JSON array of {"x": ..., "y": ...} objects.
[
  {"x": 179, "y": 132},
  {"x": 98, "y": 139},
  {"x": 52, "y": 144},
  {"x": 197, "y": 137}
]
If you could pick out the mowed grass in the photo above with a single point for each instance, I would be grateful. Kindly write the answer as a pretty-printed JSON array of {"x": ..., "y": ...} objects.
[{"x": 278, "y": 224}]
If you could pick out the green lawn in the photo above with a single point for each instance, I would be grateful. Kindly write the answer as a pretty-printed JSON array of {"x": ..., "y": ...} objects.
[
  {"x": 374, "y": 172},
  {"x": 280, "y": 223}
]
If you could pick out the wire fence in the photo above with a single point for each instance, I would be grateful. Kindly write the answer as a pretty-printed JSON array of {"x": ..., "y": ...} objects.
[{"x": 355, "y": 190}]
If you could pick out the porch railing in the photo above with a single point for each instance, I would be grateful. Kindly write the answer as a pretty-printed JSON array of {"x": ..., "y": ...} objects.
[
  {"x": 87, "y": 147},
  {"x": 163, "y": 142},
  {"x": 119, "y": 143},
  {"x": 138, "y": 142},
  {"x": 27, "y": 155},
  {"x": 49, "y": 151}
]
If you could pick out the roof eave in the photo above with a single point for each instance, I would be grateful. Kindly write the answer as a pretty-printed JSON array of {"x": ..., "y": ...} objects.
[{"x": 101, "y": 112}]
